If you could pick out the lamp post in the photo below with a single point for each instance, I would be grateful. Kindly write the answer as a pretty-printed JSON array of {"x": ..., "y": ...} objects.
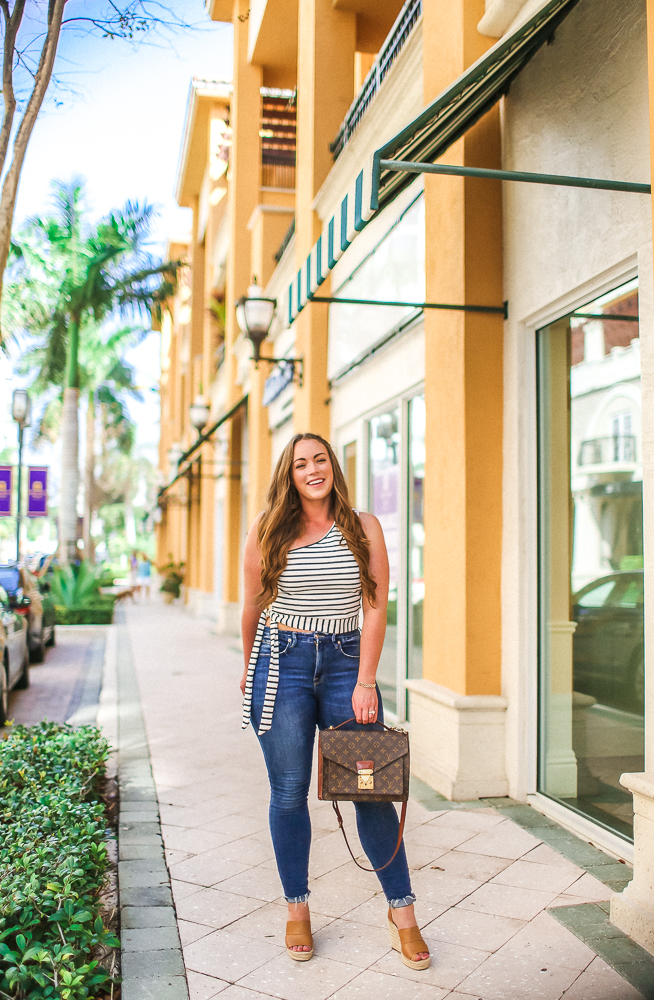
[
  {"x": 175, "y": 452},
  {"x": 199, "y": 413},
  {"x": 254, "y": 315},
  {"x": 21, "y": 411}
]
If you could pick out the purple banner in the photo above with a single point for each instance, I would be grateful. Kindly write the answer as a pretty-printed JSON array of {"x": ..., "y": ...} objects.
[
  {"x": 37, "y": 492},
  {"x": 6, "y": 473}
]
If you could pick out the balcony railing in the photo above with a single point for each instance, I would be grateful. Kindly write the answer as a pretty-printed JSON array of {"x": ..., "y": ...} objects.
[
  {"x": 290, "y": 233},
  {"x": 398, "y": 35},
  {"x": 608, "y": 450}
]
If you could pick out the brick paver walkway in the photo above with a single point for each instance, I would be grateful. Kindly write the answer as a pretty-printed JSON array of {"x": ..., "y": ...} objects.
[
  {"x": 483, "y": 883},
  {"x": 61, "y": 684}
]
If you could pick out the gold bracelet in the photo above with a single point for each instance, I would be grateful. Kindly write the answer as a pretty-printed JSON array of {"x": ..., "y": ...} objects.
[{"x": 363, "y": 685}]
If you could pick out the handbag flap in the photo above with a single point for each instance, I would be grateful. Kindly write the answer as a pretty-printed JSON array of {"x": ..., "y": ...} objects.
[{"x": 346, "y": 747}]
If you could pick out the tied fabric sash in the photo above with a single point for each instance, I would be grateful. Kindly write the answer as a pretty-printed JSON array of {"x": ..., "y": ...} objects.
[{"x": 273, "y": 675}]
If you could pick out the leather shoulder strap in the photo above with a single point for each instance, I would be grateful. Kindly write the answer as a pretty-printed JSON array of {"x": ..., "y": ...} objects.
[{"x": 397, "y": 846}]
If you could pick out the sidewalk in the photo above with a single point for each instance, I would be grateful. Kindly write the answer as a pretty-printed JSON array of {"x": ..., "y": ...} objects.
[
  {"x": 484, "y": 883},
  {"x": 66, "y": 686}
]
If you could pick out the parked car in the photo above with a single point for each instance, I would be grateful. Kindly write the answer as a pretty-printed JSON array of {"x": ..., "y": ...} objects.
[
  {"x": 49, "y": 612},
  {"x": 608, "y": 641},
  {"x": 26, "y": 596},
  {"x": 15, "y": 672}
]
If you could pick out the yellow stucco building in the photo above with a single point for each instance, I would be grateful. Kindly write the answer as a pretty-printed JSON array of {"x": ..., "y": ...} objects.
[{"x": 477, "y": 346}]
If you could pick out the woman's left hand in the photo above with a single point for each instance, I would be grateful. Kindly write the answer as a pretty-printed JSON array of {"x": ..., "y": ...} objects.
[{"x": 364, "y": 704}]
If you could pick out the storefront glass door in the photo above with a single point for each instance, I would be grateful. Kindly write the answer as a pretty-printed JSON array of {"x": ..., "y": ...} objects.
[
  {"x": 416, "y": 534},
  {"x": 591, "y": 558},
  {"x": 396, "y": 477},
  {"x": 384, "y": 489}
]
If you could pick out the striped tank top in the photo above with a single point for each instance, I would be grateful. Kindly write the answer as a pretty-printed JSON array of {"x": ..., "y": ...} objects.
[{"x": 318, "y": 591}]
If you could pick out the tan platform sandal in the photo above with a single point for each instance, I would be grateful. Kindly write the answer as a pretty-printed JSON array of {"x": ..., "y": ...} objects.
[
  {"x": 298, "y": 935},
  {"x": 408, "y": 941}
]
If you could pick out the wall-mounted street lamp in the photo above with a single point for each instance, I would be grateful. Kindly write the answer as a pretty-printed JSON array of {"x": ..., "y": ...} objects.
[
  {"x": 21, "y": 411},
  {"x": 175, "y": 452},
  {"x": 254, "y": 315},
  {"x": 199, "y": 413}
]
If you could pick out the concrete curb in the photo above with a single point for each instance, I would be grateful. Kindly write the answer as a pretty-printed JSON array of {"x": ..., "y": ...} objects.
[
  {"x": 151, "y": 953},
  {"x": 85, "y": 701}
]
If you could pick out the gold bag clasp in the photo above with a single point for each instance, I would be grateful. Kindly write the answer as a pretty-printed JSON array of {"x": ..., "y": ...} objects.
[{"x": 366, "y": 780}]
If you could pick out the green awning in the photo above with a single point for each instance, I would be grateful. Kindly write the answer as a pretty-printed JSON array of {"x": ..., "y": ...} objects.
[{"x": 459, "y": 107}]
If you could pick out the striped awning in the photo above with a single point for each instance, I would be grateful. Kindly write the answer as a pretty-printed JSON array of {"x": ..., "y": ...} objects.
[{"x": 425, "y": 139}]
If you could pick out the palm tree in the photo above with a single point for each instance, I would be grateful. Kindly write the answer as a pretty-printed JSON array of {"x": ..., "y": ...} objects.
[
  {"x": 107, "y": 381},
  {"x": 66, "y": 277},
  {"x": 106, "y": 384}
]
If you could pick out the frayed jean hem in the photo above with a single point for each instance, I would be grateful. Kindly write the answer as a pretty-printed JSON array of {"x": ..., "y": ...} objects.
[
  {"x": 397, "y": 904},
  {"x": 298, "y": 899}
]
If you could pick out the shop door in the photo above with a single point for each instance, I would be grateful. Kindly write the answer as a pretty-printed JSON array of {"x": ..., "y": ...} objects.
[{"x": 591, "y": 558}]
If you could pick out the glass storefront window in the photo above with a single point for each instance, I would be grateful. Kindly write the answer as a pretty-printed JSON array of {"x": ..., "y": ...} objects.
[
  {"x": 395, "y": 272},
  {"x": 350, "y": 470},
  {"x": 385, "y": 504},
  {"x": 591, "y": 648},
  {"x": 416, "y": 546}
]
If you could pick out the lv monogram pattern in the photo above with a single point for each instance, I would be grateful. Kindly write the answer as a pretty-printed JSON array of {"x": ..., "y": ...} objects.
[{"x": 339, "y": 752}]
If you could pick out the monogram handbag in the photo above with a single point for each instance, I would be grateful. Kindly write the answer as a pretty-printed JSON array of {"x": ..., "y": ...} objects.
[{"x": 357, "y": 765}]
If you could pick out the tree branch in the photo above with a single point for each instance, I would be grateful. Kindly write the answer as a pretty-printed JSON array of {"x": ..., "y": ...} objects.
[
  {"x": 42, "y": 80},
  {"x": 12, "y": 24}
]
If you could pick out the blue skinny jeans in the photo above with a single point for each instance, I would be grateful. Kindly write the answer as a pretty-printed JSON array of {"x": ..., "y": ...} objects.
[{"x": 317, "y": 676}]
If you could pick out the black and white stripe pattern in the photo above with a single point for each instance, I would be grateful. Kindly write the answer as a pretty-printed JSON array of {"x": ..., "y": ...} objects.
[{"x": 319, "y": 591}]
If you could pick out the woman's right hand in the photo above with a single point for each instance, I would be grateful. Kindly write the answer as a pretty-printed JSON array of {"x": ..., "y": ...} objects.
[{"x": 242, "y": 682}]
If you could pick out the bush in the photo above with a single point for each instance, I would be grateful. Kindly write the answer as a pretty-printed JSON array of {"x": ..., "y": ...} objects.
[
  {"x": 76, "y": 586},
  {"x": 100, "y": 613},
  {"x": 171, "y": 585},
  {"x": 53, "y": 858},
  {"x": 173, "y": 574}
]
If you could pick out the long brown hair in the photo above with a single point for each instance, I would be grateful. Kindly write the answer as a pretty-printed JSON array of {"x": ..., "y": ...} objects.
[{"x": 282, "y": 522}]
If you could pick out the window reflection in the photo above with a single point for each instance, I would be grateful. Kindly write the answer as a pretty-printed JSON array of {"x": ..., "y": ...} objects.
[
  {"x": 591, "y": 558},
  {"x": 416, "y": 567},
  {"x": 385, "y": 504}
]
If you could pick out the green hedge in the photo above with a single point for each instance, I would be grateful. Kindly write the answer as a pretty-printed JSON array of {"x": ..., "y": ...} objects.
[
  {"x": 53, "y": 858},
  {"x": 100, "y": 613}
]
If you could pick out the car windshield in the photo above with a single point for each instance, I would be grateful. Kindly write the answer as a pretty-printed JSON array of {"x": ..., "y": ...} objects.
[
  {"x": 620, "y": 592},
  {"x": 9, "y": 578},
  {"x": 598, "y": 596}
]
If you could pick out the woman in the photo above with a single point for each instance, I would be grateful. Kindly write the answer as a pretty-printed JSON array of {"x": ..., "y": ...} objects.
[
  {"x": 310, "y": 562},
  {"x": 143, "y": 576}
]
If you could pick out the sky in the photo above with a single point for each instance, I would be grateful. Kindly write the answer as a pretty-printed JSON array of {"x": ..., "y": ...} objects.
[{"x": 115, "y": 117}]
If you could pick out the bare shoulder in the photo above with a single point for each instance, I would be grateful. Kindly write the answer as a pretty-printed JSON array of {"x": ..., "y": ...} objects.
[
  {"x": 254, "y": 527},
  {"x": 253, "y": 534},
  {"x": 371, "y": 525}
]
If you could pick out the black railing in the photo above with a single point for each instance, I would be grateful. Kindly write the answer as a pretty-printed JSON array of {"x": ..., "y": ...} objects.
[
  {"x": 608, "y": 450},
  {"x": 398, "y": 35},
  {"x": 290, "y": 233},
  {"x": 278, "y": 128}
]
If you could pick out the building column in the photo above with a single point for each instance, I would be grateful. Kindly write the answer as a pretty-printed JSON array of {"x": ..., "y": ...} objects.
[
  {"x": 633, "y": 910},
  {"x": 268, "y": 225},
  {"x": 244, "y": 181},
  {"x": 326, "y": 50},
  {"x": 457, "y": 710},
  {"x": 196, "y": 542}
]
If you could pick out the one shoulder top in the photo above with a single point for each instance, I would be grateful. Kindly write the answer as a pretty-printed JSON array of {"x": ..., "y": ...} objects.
[{"x": 318, "y": 591}]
